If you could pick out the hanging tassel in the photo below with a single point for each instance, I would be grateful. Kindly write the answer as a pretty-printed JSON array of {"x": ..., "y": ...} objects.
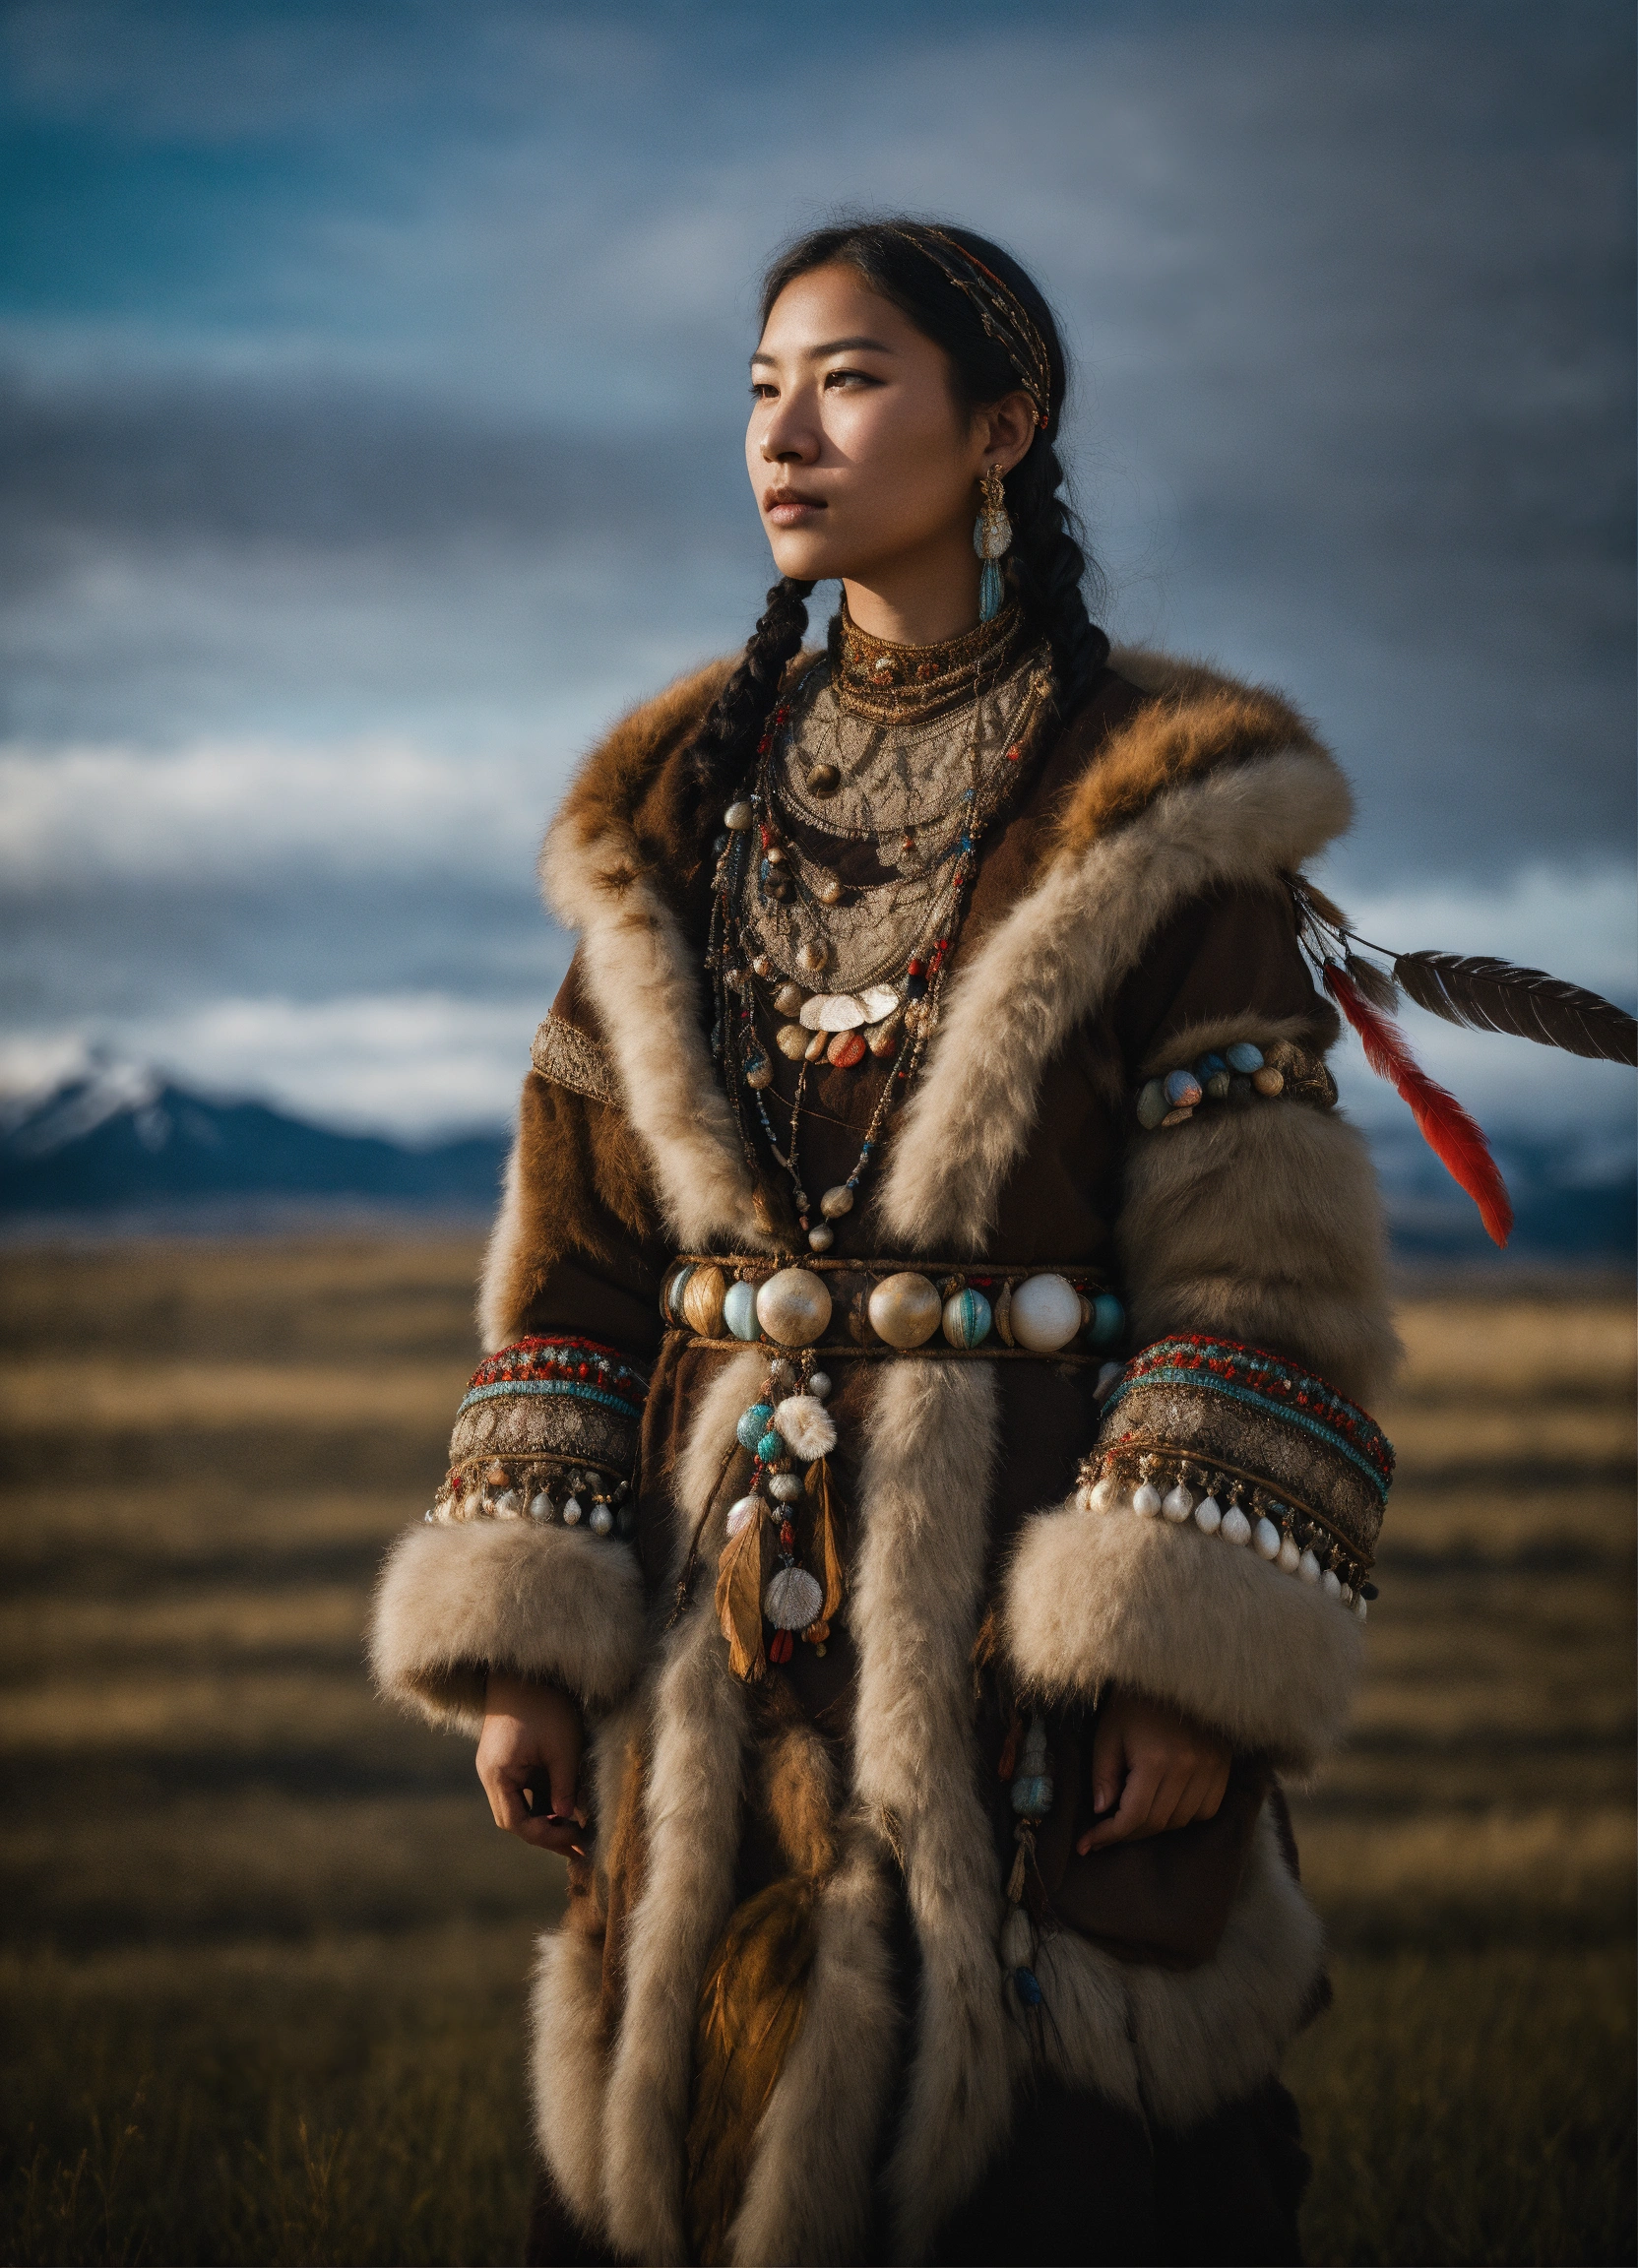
[
  {"x": 825, "y": 1553},
  {"x": 1455, "y": 1139},
  {"x": 739, "y": 1600}
]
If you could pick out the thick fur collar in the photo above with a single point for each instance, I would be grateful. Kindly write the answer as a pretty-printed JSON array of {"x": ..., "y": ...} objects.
[{"x": 1209, "y": 785}]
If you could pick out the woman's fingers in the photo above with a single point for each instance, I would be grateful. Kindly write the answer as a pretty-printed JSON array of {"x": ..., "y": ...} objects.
[
  {"x": 1136, "y": 1798},
  {"x": 1109, "y": 1760},
  {"x": 567, "y": 1837}
]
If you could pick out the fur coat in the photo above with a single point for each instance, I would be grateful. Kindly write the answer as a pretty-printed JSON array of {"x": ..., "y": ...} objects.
[{"x": 1132, "y": 915}]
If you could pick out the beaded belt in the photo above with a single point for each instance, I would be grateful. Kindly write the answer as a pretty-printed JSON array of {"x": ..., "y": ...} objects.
[{"x": 884, "y": 1307}]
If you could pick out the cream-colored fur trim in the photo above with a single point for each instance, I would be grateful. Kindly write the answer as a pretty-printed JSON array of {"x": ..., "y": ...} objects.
[
  {"x": 1179, "y": 2045},
  {"x": 1092, "y": 1598},
  {"x": 498, "y": 1323},
  {"x": 692, "y": 1801},
  {"x": 809, "y": 2197},
  {"x": 1058, "y": 954},
  {"x": 568, "y": 2049},
  {"x": 568, "y": 2067},
  {"x": 924, "y": 1485},
  {"x": 644, "y": 986},
  {"x": 549, "y": 1602},
  {"x": 1263, "y": 1226}
]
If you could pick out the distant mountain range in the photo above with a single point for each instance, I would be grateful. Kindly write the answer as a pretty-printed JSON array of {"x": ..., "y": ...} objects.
[{"x": 119, "y": 1141}]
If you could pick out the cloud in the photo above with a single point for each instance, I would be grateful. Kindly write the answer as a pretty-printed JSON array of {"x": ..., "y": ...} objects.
[
  {"x": 369, "y": 436},
  {"x": 415, "y": 1064}
]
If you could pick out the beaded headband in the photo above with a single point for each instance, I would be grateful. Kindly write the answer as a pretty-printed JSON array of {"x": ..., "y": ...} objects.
[{"x": 999, "y": 310}]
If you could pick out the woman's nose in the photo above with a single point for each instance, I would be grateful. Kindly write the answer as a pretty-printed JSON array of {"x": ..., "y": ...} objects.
[{"x": 788, "y": 437}]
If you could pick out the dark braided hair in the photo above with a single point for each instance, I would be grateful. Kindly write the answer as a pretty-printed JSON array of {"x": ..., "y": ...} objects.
[{"x": 1048, "y": 566}]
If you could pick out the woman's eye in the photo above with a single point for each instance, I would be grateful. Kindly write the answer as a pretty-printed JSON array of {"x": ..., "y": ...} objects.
[
  {"x": 761, "y": 389},
  {"x": 850, "y": 378}
]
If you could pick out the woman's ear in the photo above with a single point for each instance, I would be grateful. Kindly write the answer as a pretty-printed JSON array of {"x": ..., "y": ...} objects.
[{"x": 1011, "y": 427}]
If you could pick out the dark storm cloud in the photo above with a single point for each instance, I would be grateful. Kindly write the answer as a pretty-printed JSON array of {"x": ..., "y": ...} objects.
[
  {"x": 316, "y": 464},
  {"x": 374, "y": 373}
]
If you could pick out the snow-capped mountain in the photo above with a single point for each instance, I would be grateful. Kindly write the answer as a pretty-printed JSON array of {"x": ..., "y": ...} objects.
[
  {"x": 112, "y": 1137},
  {"x": 105, "y": 1137}
]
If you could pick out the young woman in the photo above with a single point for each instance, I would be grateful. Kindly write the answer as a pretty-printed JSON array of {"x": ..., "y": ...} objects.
[{"x": 921, "y": 1496}]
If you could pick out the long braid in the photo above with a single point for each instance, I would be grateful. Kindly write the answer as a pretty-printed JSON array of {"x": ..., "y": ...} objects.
[
  {"x": 726, "y": 741},
  {"x": 1049, "y": 570}
]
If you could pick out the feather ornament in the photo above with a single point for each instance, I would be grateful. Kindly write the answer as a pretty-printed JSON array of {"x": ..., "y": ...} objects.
[
  {"x": 825, "y": 1553},
  {"x": 1490, "y": 995},
  {"x": 739, "y": 1599},
  {"x": 1456, "y": 1139},
  {"x": 1374, "y": 983}
]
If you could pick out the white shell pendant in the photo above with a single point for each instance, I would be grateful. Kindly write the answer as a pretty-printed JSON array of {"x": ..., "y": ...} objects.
[
  {"x": 878, "y": 1000},
  {"x": 792, "y": 1599},
  {"x": 831, "y": 1012}
]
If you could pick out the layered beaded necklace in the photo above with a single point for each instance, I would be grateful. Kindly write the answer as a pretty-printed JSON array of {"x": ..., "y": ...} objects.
[{"x": 843, "y": 969}]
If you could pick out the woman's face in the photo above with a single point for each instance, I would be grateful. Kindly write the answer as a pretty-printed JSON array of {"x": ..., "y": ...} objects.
[{"x": 860, "y": 459}]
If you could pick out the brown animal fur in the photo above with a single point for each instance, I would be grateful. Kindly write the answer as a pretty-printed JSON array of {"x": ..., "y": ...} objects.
[
  {"x": 1297, "y": 1263},
  {"x": 572, "y": 1162}
]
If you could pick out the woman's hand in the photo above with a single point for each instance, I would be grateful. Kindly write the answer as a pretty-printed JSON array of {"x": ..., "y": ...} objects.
[
  {"x": 1165, "y": 1769},
  {"x": 528, "y": 1729}
]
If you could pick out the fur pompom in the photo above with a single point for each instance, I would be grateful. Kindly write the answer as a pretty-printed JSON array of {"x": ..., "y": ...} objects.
[{"x": 807, "y": 1426}]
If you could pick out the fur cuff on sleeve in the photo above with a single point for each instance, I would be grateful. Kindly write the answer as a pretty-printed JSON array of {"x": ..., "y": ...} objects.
[
  {"x": 550, "y": 1603},
  {"x": 1094, "y": 1599}
]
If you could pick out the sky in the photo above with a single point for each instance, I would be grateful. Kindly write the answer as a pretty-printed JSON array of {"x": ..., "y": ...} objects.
[{"x": 371, "y": 389}]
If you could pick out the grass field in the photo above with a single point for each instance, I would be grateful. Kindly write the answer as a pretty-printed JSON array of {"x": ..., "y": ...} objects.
[{"x": 262, "y": 1986}]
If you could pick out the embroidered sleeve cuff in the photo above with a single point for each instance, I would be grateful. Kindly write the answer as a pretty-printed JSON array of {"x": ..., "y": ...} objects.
[
  {"x": 1217, "y": 1555},
  {"x": 521, "y": 1563}
]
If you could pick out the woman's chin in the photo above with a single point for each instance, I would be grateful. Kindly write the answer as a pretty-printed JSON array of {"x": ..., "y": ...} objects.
[{"x": 806, "y": 554}]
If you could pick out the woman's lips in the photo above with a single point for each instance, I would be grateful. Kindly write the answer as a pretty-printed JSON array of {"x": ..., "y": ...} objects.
[{"x": 792, "y": 511}]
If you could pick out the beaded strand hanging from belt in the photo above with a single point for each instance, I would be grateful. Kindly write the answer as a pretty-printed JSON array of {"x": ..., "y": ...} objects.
[{"x": 848, "y": 775}]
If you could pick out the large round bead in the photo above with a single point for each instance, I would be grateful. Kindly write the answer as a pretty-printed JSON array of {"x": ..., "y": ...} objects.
[
  {"x": 966, "y": 1318},
  {"x": 674, "y": 1292},
  {"x": 1045, "y": 1313},
  {"x": 793, "y": 1307},
  {"x": 753, "y": 1423},
  {"x": 702, "y": 1301},
  {"x": 904, "y": 1309},
  {"x": 1108, "y": 1320},
  {"x": 739, "y": 1310}
]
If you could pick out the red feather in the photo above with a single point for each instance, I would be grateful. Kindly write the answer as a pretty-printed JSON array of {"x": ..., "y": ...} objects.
[{"x": 1456, "y": 1140}]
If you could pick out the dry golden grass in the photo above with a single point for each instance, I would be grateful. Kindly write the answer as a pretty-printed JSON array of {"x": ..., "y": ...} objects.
[{"x": 264, "y": 1994}]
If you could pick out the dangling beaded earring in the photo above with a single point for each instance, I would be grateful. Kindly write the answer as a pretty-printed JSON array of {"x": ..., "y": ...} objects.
[{"x": 991, "y": 538}]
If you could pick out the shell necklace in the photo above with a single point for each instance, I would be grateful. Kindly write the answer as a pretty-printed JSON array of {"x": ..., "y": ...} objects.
[{"x": 886, "y": 1010}]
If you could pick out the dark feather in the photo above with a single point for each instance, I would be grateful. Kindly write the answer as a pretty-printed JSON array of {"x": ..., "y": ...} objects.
[
  {"x": 1329, "y": 912},
  {"x": 1374, "y": 983},
  {"x": 1495, "y": 996}
]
